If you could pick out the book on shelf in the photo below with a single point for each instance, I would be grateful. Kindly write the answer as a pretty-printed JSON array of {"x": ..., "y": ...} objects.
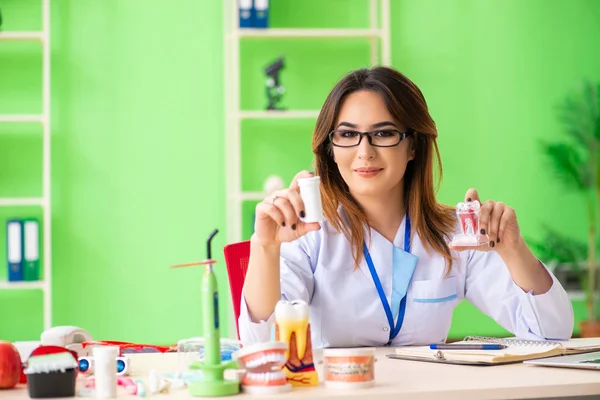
[
  {"x": 31, "y": 249},
  {"x": 14, "y": 249},
  {"x": 23, "y": 249},
  {"x": 253, "y": 13}
]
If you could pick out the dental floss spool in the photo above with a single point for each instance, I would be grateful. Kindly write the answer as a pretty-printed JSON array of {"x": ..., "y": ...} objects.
[
  {"x": 311, "y": 196},
  {"x": 105, "y": 371},
  {"x": 349, "y": 368},
  {"x": 141, "y": 388}
]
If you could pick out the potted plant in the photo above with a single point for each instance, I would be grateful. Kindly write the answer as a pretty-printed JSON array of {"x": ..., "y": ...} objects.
[{"x": 575, "y": 161}]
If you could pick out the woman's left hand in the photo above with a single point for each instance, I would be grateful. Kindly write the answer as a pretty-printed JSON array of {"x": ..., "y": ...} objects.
[{"x": 498, "y": 221}]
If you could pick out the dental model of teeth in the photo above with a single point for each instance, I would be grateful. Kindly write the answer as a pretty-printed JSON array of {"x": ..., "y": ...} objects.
[
  {"x": 349, "y": 368},
  {"x": 262, "y": 363},
  {"x": 468, "y": 217},
  {"x": 293, "y": 328}
]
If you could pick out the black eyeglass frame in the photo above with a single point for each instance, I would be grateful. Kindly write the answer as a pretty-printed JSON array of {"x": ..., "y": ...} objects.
[{"x": 401, "y": 137}]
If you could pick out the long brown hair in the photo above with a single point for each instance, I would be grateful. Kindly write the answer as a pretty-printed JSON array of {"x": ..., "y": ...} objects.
[{"x": 431, "y": 220}]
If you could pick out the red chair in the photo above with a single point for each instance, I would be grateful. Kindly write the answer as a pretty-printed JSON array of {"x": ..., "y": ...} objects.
[{"x": 237, "y": 256}]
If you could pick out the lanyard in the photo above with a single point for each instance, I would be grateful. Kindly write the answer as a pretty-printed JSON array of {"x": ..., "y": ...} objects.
[{"x": 394, "y": 329}]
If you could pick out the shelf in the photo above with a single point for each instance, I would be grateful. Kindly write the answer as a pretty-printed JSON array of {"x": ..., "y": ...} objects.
[
  {"x": 279, "y": 114},
  {"x": 306, "y": 33},
  {"x": 21, "y": 201},
  {"x": 22, "y": 118},
  {"x": 22, "y": 36},
  {"x": 22, "y": 285}
]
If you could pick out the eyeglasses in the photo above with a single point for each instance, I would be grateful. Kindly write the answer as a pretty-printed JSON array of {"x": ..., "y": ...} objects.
[{"x": 377, "y": 138}]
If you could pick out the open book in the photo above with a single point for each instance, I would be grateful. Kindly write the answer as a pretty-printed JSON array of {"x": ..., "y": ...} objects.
[{"x": 516, "y": 350}]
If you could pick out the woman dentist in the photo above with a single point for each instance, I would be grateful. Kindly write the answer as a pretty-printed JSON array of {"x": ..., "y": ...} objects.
[{"x": 379, "y": 269}]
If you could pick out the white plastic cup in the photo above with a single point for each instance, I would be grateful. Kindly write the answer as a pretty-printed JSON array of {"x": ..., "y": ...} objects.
[
  {"x": 311, "y": 196},
  {"x": 105, "y": 371}
]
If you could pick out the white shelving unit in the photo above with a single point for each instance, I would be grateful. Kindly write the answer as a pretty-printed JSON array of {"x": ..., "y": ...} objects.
[
  {"x": 45, "y": 285},
  {"x": 379, "y": 35},
  {"x": 278, "y": 114},
  {"x": 22, "y": 118},
  {"x": 21, "y": 201},
  {"x": 23, "y": 36},
  {"x": 304, "y": 33}
]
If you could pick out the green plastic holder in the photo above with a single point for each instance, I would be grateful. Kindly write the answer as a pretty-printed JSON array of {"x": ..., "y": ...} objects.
[{"x": 212, "y": 382}]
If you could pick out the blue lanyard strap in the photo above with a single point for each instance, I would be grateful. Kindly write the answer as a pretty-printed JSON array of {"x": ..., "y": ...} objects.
[{"x": 394, "y": 328}]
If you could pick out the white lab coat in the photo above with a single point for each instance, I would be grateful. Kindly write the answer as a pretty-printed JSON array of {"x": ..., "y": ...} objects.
[{"x": 346, "y": 311}]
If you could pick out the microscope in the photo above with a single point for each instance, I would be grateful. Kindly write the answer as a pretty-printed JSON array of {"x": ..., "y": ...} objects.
[{"x": 274, "y": 88}]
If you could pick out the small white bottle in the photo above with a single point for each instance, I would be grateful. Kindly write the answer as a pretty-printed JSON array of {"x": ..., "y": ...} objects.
[
  {"x": 311, "y": 196},
  {"x": 105, "y": 371}
]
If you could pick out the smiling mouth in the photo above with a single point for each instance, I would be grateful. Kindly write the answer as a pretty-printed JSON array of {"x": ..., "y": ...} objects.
[{"x": 367, "y": 170}]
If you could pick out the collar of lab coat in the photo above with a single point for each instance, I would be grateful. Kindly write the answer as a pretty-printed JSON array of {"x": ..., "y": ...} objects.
[{"x": 398, "y": 239}]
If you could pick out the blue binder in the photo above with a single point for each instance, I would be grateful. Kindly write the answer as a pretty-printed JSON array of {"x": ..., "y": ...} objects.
[
  {"x": 245, "y": 11},
  {"x": 14, "y": 249},
  {"x": 261, "y": 13}
]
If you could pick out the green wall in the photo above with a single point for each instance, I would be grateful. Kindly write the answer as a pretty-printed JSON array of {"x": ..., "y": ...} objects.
[
  {"x": 138, "y": 145},
  {"x": 493, "y": 73}
]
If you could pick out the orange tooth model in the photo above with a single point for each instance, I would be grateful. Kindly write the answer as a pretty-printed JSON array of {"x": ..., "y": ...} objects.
[{"x": 292, "y": 327}]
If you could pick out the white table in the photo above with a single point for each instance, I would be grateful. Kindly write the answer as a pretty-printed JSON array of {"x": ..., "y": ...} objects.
[{"x": 408, "y": 380}]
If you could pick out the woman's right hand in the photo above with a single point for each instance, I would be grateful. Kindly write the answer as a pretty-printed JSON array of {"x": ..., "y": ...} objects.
[{"x": 278, "y": 216}]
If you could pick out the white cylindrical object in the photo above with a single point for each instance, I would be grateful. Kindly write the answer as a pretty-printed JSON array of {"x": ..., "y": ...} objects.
[
  {"x": 311, "y": 196},
  {"x": 105, "y": 371}
]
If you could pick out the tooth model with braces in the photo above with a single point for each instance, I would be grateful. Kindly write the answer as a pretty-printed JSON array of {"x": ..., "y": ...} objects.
[
  {"x": 349, "y": 368},
  {"x": 263, "y": 364},
  {"x": 292, "y": 327},
  {"x": 468, "y": 216}
]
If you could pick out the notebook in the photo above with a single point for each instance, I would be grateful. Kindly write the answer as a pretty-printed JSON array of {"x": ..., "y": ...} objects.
[{"x": 517, "y": 350}]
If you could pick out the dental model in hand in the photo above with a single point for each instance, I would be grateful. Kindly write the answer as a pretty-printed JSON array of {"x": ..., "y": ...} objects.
[
  {"x": 292, "y": 327},
  {"x": 262, "y": 363},
  {"x": 468, "y": 216}
]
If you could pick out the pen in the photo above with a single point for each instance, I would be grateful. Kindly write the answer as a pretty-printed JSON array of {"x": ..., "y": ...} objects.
[{"x": 467, "y": 346}]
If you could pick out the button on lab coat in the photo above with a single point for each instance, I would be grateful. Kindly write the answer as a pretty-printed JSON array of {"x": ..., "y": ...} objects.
[{"x": 346, "y": 311}]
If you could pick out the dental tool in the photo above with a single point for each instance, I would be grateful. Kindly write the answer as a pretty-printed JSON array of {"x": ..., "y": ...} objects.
[{"x": 212, "y": 381}]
